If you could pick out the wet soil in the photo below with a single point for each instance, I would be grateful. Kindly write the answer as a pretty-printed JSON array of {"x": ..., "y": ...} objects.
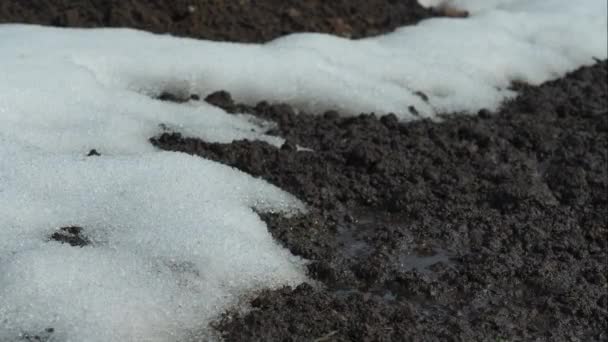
[
  {"x": 487, "y": 227},
  {"x": 233, "y": 20}
]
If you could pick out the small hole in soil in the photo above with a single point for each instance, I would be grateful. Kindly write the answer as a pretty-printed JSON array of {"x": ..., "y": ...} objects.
[{"x": 72, "y": 235}]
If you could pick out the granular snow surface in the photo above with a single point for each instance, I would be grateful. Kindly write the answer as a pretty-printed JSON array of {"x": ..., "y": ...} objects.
[{"x": 173, "y": 240}]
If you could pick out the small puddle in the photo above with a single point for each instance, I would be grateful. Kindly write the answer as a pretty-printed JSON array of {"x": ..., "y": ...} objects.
[
  {"x": 422, "y": 263},
  {"x": 360, "y": 237},
  {"x": 352, "y": 242},
  {"x": 356, "y": 238},
  {"x": 379, "y": 234}
]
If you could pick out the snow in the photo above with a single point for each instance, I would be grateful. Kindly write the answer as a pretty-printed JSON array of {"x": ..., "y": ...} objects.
[
  {"x": 462, "y": 65},
  {"x": 175, "y": 240}
]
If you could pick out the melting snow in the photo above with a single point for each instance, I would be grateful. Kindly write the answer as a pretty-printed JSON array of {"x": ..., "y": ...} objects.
[
  {"x": 461, "y": 65},
  {"x": 174, "y": 240}
]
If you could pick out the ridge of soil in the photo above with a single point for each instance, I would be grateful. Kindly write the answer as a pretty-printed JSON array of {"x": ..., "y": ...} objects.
[
  {"x": 482, "y": 227},
  {"x": 232, "y": 20}
]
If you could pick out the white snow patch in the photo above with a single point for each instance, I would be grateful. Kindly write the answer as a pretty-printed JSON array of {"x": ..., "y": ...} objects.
[
  {"x": 58, "y": 105},
  {"x": 461, "y": 64},
  {"x": 174, "y": 239}
]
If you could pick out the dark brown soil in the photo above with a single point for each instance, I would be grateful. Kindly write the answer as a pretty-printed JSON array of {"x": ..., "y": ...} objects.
[
  {"x": 485, "y": 227},
  {"x": 234, "y": 20},
  {"x": 71, "y": 235},
  {"x": 489, "y": 227}
]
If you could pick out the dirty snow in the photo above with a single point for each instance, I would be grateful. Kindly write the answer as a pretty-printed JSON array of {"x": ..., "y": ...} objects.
[{"x": 175, "y": 239}]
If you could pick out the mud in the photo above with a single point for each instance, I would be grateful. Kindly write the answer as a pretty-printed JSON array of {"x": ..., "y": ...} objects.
[
  {"x": 480, "y": 228},
  {"x": 233, "y": 20}
]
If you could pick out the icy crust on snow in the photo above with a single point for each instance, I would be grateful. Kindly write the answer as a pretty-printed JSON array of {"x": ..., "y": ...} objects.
[
  {"x": 174, "y": 240},
  {"x": 460, "y": 64}
]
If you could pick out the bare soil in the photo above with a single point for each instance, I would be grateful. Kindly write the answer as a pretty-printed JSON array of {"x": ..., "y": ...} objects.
[
  {"x": 480, "y": 228},
  {"x": 233, "y": 20}
]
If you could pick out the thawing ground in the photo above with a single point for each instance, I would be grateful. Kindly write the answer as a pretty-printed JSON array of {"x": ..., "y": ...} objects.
[{"x": 170, "y": 241}]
